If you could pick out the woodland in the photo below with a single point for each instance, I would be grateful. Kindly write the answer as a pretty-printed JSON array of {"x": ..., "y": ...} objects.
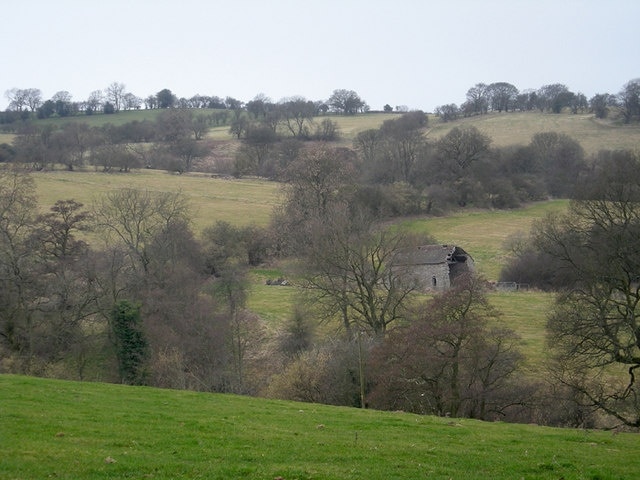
[{"x": 126, "y": 290}]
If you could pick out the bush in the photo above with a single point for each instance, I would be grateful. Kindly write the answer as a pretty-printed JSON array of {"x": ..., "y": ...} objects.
[{"x": 327, "y": 373}]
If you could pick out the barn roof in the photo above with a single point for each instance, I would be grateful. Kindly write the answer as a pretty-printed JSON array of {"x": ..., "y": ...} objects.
[{"x": 429, "y": 255}]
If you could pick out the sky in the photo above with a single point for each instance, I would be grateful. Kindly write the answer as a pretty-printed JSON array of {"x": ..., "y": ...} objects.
[{"x": 413, "y": 53}]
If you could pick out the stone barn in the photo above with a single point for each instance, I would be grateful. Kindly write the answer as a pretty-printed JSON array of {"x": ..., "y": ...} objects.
[{"x": 433, "y": 267}]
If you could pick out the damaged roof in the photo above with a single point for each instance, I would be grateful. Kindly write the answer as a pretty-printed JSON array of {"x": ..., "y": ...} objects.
[{"x": 430, "y": 255}]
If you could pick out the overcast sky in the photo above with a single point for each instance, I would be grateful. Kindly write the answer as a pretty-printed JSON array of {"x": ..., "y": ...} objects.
[{"x": 418, "y": 53}]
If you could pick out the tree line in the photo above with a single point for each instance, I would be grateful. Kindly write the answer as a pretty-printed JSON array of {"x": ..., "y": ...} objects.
[
  {"x": 480, "y": 99},
  {"x": 396, "y": 168},
  {"x": 554, "y": 98},
  {"x": 26, "y": 103}
]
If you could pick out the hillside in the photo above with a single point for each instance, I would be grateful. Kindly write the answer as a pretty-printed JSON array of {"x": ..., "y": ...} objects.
[
  {"x": 517, "y": 128},
  {"x": 242, "y": 202},
  {"x": 68, "y": 430},
  {"x": 505, "y": 129},
  {"x": 238, "y": 201}
]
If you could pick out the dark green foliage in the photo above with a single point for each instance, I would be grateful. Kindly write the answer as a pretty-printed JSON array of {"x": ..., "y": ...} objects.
[
  {"x": 109, "y": 108},
  {"x": 7, "y": 152},
  {"x": 130, "y": 342}
]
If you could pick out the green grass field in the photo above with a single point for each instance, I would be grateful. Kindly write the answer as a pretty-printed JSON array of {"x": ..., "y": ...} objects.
[{"x": 67, "y": 430}]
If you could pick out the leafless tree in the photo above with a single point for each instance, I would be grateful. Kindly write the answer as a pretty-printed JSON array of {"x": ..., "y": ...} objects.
[
  {"x": 453, "y": 358},
  {"x": 594, "y": 328},
  {"x": 115, "y": 94}
]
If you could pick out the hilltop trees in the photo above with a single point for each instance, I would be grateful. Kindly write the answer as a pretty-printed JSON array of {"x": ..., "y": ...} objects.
[
  {"x": 165, "y": 98},
  {"x": 114, "y": 94},
  {"x": 630, "y": 100},
  {"x": 347, "y": 102},
  {"x": 502, "y": 96},
  {"x": 24, "y": 98}
]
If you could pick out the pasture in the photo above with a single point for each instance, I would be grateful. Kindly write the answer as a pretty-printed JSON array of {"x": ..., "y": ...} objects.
[
  {"x": 68, "y": 430},
  {"x": 517, "y": 128},
  {"x": 238, "y": 201},
  {"x": 505, "y": 129}
]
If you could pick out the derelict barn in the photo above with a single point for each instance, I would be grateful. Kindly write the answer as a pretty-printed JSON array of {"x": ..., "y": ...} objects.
[{"x": 433, "y": 267}]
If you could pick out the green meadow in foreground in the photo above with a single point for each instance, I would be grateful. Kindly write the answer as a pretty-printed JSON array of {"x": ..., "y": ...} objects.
[{"x": 68, "y": 430}]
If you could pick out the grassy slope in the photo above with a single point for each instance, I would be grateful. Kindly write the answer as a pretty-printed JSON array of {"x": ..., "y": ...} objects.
[
  {"x": 67, "y": 430},
  {"x": 239, "y": 201},
  {"x": 483, "y": 233},
  {"x": 505, "y": 129},
  {"x": 518, "y": 128}
]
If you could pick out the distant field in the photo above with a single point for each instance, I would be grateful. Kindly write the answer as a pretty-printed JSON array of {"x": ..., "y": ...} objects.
[
  {"x": 483, "y": 233},
  {"x": 100, "y": 119},
  {"x": 238, "y": 201},
  {"x": 69, "y": 430},
  {"x": 518, "y": 128},
  {"x": 513, "y": 128},
  {"x": 250, "y": 201}
]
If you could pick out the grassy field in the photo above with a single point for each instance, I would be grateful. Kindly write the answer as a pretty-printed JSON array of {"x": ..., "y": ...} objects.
[
  {"x": 247, "y": 201},
  {"x": 68, "y": 430},
  {"x": 517, "y": 128},
  {"x": 483, "y": 233},
  {"x": 512, "y": 128},
  {"x": 238, "y": 201}
]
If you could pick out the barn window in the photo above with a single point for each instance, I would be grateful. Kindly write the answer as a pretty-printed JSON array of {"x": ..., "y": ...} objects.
[{"x": 434, "y": 281}]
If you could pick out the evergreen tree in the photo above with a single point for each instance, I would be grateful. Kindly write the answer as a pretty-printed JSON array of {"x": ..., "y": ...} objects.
[{"x": 131, "y": 344}]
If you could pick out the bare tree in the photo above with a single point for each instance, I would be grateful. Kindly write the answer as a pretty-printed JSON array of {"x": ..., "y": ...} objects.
[
  {"x": 17, "y": 299},
  {"x": 115, "y": 95},
  {"x": 17, "y": 98},
  {"x": 451, "y": 359},
  {"x": 34, "y": 98},
  {"x": 594, "y": 328},
  {"x": 135, "y": 217},
  {"x": 297, "y": 113},
  {"x": 502, "y": 96},
  {"x": 349, "y": 273},
  {"x": 478, "y": 99},
  {"x": 403, "y": 141},
  {"x": 94, "y": 102}
]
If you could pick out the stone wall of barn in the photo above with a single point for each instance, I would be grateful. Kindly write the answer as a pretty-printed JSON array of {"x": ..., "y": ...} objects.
[{"x": 429, "y": 277}]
